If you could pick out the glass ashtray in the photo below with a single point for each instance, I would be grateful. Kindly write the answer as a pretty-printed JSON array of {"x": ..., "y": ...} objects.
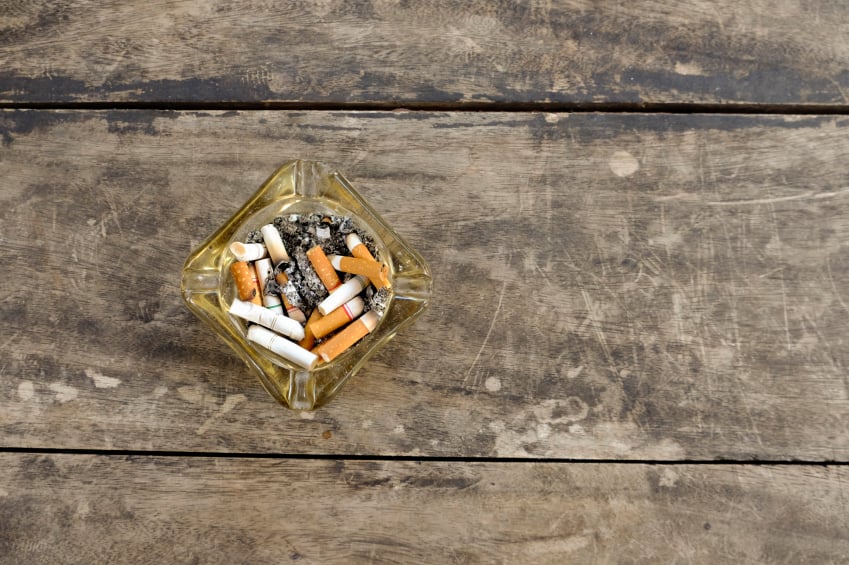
[{"x": 303, "y": 187}]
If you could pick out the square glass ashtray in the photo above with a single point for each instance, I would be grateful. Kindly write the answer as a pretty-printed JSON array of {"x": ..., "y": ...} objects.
[{"x": 302, "y": 188}]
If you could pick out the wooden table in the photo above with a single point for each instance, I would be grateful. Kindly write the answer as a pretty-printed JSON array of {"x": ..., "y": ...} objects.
[{"x": 636, "y": 214}]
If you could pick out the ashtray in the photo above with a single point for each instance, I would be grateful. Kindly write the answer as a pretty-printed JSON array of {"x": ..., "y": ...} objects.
[{"x": 297, "y": 189}]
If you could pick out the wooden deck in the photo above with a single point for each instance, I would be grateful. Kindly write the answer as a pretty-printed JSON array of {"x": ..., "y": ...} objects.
[{"x": 637, "y": 218}]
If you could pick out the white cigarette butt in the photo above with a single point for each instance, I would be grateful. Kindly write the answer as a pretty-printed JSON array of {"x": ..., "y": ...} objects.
[
  {"x": 274, "y": 243},
  {"x": 263, "y": 271},
  {"x": 268, "y": 318},
  {"x": 282, "y": 347},
  {"x": 322, "y": 232},
  {"x": 247, "y": 251},
  {"x": 342, "y": 294}
]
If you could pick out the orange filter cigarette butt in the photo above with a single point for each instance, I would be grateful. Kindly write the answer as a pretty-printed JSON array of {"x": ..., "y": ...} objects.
[
  {"x": 292, "y": 311},
  {"x": 309, "y": 337},
  {"x": 338, "y": 318},
  {"x": 377, "y": 273},
  {"x": 323, "y": 268},
  {"x": 354, "y": 332},
  {"x": 246, "y": 282},
  {"x": 357, "y": 247}
]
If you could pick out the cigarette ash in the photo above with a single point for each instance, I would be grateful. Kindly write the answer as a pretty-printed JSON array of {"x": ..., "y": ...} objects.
[
  {"x": 302, "y": 232},
  {"x": 376, "y": 300}
]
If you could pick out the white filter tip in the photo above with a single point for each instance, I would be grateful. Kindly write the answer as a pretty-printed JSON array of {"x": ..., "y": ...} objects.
[
  {"x": 247, "y": 251},
  {"x": 352, "y": 240}
]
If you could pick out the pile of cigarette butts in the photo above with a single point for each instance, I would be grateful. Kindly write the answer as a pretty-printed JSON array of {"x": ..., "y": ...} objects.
[{"x": 338, "y": 313}]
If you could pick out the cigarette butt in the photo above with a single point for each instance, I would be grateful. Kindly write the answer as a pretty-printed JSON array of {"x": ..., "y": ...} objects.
[
  {"x": 309, "y": 337},
  {"x": 274, "y": 243},
  {"x": 323, "y": 268},
  {"x": 282, "y": 347},
  {"x": 342, "y": 294},
  {"x": 338, "y": 318},
  {"x": 263, "y": 271},
  {"x": 322, "y": 232},
  {"x": 354, "y": 332},
  {"x": 377, "y": 273},
  {"x": 357, "y": 248},
  {"x": 247, "y": 251},
  {"x": 265, "y": 317},
  {"x": 246, "y": 282},
  {"x": 292, "y": 311}
]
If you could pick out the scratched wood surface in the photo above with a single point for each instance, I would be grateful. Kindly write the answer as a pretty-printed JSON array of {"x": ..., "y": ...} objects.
[
  {"x": 96, "y": 509},
  {"x": 391, "y": 52},
  {"x": 606, "y": 286}
]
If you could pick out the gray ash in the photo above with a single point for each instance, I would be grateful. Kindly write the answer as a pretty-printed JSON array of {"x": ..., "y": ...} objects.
[
  {"x": 311, "y": 288},
  {"x": 376, "y": 300},
  {"x": 294, "y": 297},
  {"x": 272, "y": 286},
  {"x": 346, "y": 226}
]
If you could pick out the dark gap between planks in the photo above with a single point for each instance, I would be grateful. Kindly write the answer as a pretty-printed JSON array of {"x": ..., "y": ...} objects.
[
  {"x": 411, "y": 458},
  {"x": 553, "y": 107}
]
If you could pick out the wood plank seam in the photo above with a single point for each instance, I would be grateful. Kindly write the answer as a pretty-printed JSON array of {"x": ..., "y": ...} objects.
[
  {"x": 496, "y": 107},
  {"x": 413, "y": 458}
]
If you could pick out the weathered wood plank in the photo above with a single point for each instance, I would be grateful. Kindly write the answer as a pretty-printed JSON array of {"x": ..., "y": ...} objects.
[
  {"x": 606, "y": 286},
  {"x": 94, "y": 509},
  {"x": 386, "y": 51}
]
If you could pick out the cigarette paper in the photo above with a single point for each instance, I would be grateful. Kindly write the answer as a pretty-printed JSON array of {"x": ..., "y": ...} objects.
[
  {"x": 282, "y": 347},
  {"x": 322, "y": 232},
  {"x": 377, "y": 273},
  {"x": 338, "y": 318},
  {"x": 357, "y": 248},
  {"x": 263, "y": 271},
  {"x": 265, "y": 317},
  {"x": 323, "y": 268},
  {"x": 247, "y": 251},
  {"x": 292, "y": 311},
  {"x": 247, "y": 284},
  {"x": 309, "y": 337},
  {"x": 341, "y": 342},
  {"x": 275, "y": 246},
  {"x": 342, "y": 294}
]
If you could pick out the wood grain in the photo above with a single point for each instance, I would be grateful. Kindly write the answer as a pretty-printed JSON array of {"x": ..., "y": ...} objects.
[
  {"x": 94, "y": 509},
  {"x": 392, "y": 52},
  {"x": 606, "y": 286}
]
